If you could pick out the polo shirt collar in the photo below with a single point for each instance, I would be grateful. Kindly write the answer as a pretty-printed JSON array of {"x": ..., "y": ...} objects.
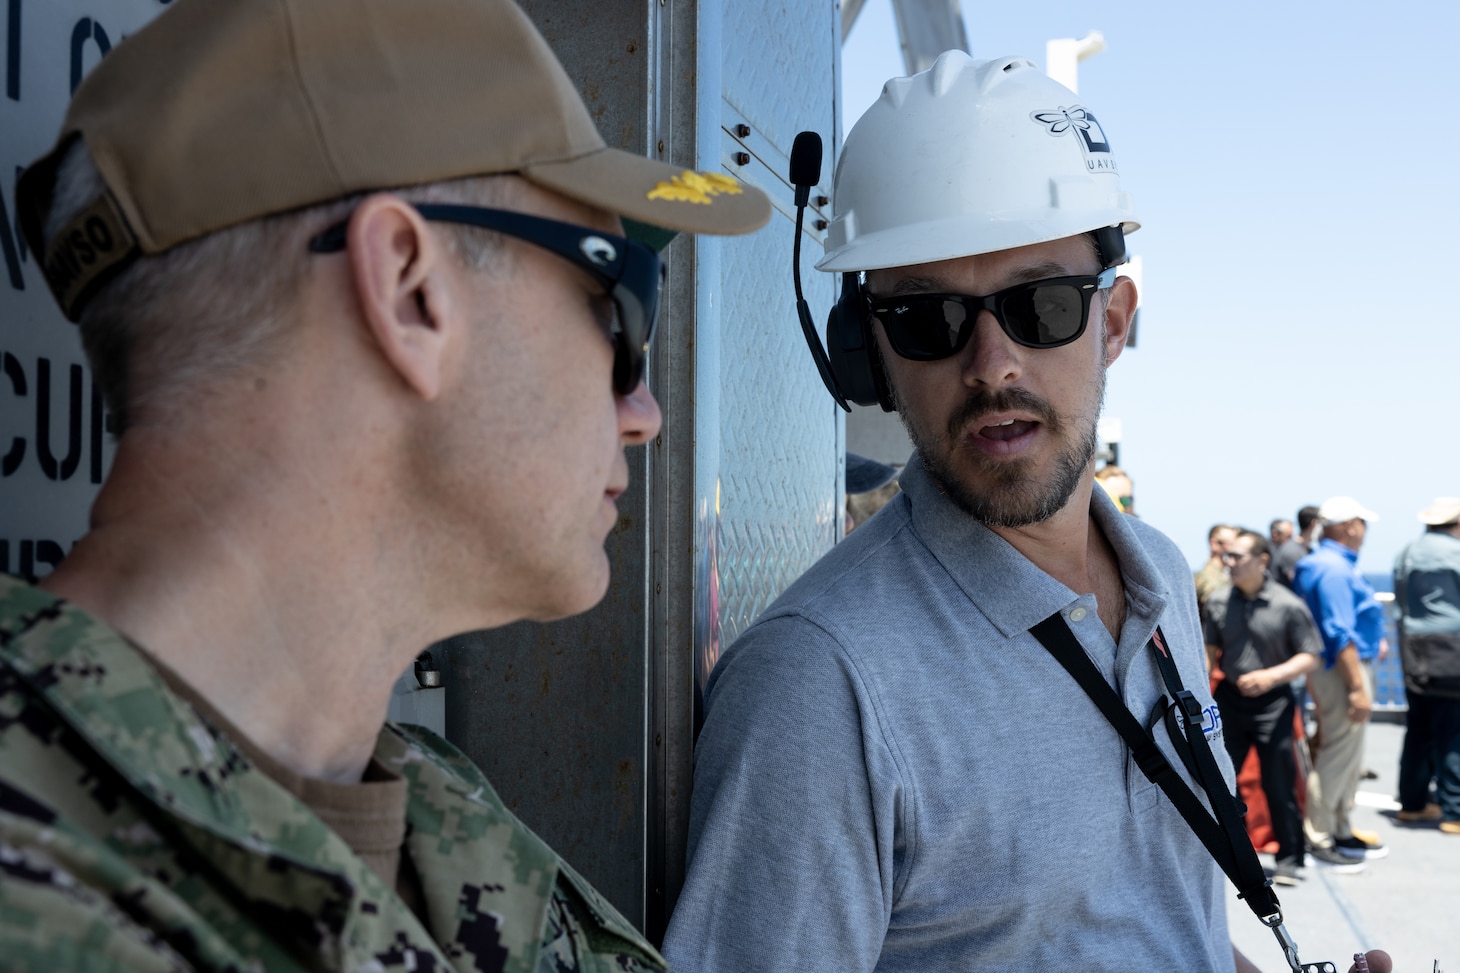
[
  {"x": 1342, "y": 550},
  {"x": 1005, "y": 586}
]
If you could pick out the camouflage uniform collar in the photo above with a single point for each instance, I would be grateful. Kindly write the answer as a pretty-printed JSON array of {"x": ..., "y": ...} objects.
[
  {"x": 488, "y": 881},
  {"x": 293, "y": 870},
  {"x": 143, "y": 729},
  {"x": 452, "y": 803}
]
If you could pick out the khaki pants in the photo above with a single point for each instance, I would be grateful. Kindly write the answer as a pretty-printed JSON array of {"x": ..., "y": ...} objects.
[{"x": 1339, "y": 761}]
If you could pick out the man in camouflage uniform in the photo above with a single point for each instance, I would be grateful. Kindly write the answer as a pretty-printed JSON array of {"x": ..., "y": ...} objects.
[{"x": 352, "y": 422}]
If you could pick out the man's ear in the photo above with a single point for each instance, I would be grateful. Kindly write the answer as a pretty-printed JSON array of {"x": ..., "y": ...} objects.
[
  {"x": 1120, "y": 311},
  {"x": 399, "y": 278}
]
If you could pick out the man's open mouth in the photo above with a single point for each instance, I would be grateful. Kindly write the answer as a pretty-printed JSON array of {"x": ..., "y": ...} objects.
[{"x": 1008, "y": 429}]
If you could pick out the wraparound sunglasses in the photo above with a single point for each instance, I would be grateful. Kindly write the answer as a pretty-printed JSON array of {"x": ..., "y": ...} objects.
[{"x": 630, "y": 273}]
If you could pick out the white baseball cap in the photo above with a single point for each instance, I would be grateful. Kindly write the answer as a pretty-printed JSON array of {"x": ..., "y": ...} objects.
[{"x": 1340, "y": 510}]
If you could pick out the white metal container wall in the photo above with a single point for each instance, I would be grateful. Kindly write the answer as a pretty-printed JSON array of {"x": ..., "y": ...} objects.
[{"x": 53, "y": 446}]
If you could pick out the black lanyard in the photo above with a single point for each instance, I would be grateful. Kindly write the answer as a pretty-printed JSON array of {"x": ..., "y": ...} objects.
[{"x": 1223, "y": 835}]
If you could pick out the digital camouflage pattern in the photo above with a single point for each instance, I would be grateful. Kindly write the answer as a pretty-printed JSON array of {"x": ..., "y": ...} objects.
[{"x": 134, "y": 836}]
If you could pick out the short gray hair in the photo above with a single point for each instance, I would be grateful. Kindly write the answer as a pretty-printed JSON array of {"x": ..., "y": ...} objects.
[{"x": 208, "y": 306}]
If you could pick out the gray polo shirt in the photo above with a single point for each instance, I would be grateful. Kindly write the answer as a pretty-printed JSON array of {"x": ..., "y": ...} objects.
[
  {"x": 1259, "y": 632},
  {"x": 895, "y": 776}
]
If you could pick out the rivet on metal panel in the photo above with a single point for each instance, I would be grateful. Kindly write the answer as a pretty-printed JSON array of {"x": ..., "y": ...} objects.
[
  {"x": 741, "y": 158},
  {"x": 820, "y": 224},
  {"x": 742, "y": 130},
  {"x": 661, "y": 146},
  {"x": 822, "y": 200}
]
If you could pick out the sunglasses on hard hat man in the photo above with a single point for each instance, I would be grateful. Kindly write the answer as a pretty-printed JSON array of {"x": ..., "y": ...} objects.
[{"x": 1037, "y": 314}]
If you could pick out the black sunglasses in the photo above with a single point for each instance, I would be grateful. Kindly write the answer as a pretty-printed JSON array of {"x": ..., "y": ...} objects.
[
  {"x": 1039, "y": 314},
  {"x": 631, "y": 274}
]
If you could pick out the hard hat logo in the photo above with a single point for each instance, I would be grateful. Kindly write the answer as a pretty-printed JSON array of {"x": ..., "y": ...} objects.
[{"x": 1093, "y": 143}]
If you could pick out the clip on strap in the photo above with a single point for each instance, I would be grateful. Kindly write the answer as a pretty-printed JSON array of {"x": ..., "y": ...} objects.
[{"x": 1290, "y": 949}]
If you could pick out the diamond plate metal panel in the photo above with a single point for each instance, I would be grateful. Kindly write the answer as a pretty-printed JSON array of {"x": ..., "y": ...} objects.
[
  {"x": 779, "y": 430},
  {"x": 780, "y": 64},
  {"x": 781, "y": 437}
]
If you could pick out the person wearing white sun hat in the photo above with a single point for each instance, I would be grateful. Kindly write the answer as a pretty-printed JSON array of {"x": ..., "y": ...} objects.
[{"x": 1427, "y": 592}]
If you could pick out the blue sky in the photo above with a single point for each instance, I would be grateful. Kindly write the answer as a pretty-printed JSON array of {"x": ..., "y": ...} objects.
[{"x": 1298, "y": 181}]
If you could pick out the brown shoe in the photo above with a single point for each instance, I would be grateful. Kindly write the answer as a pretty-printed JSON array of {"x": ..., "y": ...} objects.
[
  {"x": 1450, "y": 827},
  {"x": 1431, "y": 812}
]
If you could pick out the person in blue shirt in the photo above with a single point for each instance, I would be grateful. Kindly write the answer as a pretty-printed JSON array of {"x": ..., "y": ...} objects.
[{"x": 1351, "y": 621}]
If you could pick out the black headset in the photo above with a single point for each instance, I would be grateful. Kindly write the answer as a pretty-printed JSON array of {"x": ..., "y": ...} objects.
[{"x": 850, "y": 366}]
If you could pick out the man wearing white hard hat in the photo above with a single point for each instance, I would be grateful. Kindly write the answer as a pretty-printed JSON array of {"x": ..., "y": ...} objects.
[
  {"x": 895, "y": 774},
  {"x": 1427, "y": 591},
  {"x": 1351, "y": 621}
]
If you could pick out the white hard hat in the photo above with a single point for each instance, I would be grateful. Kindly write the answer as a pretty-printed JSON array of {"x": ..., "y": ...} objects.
[{"x": 970, "y": 157}]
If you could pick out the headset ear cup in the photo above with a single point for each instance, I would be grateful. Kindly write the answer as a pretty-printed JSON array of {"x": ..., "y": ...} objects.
[
  {"x": 1110, "y": 241},
  {"x": 850, "y": 349}
]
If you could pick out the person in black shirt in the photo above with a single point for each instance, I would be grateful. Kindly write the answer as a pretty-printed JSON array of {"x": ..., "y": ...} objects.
[{"x": 1263, "y": 638}]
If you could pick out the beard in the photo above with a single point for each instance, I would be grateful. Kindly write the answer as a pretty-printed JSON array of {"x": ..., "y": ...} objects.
[{"x": 1008, "y": 493}]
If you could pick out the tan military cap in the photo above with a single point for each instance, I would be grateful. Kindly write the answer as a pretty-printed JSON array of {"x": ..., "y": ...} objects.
[{"x": 216, "y": 114}]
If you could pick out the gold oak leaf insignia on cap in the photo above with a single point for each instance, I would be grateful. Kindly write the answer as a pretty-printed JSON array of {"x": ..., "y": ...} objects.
[{"x": 695, "y": 187}]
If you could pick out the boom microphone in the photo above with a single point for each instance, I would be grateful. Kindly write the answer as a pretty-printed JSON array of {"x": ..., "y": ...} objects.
[
  {"x": 805, "y": 164},
  {"x": 805, "y": 171}
]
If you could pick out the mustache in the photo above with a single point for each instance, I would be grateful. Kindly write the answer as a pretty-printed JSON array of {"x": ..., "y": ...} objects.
[{"x": 980, "y": 403}]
